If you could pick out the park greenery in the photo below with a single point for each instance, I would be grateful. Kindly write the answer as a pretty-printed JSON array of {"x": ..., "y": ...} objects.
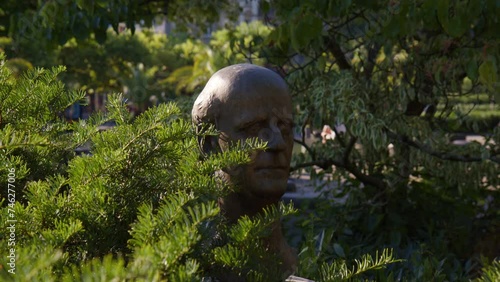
[
  {"x": 141, "y": 206},
  {"x": 412, "y": 76}
]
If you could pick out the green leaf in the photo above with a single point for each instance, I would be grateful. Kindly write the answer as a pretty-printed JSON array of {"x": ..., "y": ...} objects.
[
  {"x": 80, "y": 4},
  {"x": 488, "y": 73},
  {"x": 442, "y": 11},
  {"x": 321, "y": 63},
  {"x": 453, "y": 18},
  {"x": 307, "y": 29},
  {"x": 472, "y": 69},
  {"x": 339, "y": 250},
  {"x": 101, "y": 3}
]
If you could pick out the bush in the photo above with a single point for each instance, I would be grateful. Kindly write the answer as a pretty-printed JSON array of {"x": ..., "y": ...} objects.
[{"x": 140, "y": 205}]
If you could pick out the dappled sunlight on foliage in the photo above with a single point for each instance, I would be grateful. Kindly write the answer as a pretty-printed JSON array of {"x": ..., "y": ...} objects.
[{"x": 408, "y": 181}]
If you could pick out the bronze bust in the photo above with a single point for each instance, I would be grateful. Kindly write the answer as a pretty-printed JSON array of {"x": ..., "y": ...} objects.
[{"x": 245, "y": 101}]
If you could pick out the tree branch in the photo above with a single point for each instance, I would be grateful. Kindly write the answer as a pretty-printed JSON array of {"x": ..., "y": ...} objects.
[
  {"x": 325, "y": 164},
  {"x": 336, "y": 51},
  {"x": 349, "y": 148},
  {"x": 308, "y": 149},
  {"x": 372, "y": 56},
  {"x": 441, "y": 155},
  {"x": 366, "y": 179}
]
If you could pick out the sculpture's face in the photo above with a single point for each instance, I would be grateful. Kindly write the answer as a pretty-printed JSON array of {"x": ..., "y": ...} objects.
[{"x": 264, "y": 111}]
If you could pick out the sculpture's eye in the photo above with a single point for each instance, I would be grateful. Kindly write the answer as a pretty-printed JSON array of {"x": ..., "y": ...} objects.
[
  {"x": 285, "y": 127},
  {"x": 253, "y": 129},
  {"x": 266, "y": 134}
]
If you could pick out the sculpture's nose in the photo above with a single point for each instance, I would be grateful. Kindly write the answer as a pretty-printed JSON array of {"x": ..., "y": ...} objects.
[
  {"x": 273, "y": 136},
  {"x": 277, "y": 142}
]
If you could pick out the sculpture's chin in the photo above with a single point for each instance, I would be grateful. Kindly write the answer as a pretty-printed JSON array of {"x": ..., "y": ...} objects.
[
  {"x": 268, "y": 188},
  {"x": 268, "y": 184}
]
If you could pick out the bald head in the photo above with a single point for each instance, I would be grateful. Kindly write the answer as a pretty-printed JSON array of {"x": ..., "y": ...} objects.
[
  {"x": 243, "y": 102},
  {"x": 236, "y": 82}
]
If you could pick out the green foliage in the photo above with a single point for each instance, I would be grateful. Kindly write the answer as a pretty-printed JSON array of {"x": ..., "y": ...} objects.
[
  {"x": 339, "y": 271},
  {"x": 140, "y": 206},
  {"x": 491, "y": 272},
  {"x": 55, "y": 22},
  {"x": 244, "y": 255},
  {"x": 242, "y": 44},
  {"x": 147, "y": 67},
  {"x": 374, "y": 66},
  {"x": 83, "y": 209},
  {"x": 135, "y": 64},
  {"x": 32, "y": 137},
  {"x": 408, "y": 75}
]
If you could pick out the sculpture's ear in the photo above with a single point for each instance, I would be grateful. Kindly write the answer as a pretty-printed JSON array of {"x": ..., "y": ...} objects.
[{"x": 208, "y": 145}]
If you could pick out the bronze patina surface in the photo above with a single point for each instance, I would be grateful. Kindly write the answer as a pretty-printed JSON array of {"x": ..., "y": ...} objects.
[{"x": 245, "y": 101}]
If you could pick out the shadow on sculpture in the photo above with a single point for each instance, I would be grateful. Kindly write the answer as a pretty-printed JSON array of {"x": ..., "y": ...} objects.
[{"x": 247, "y": 101}]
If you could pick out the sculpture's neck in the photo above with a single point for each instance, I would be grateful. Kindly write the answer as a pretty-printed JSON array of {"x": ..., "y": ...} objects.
[{"x": 235, "y": 205}]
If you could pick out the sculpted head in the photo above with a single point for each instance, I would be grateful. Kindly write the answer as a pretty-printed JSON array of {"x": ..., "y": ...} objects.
[{"x": 245, "y": 101}]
